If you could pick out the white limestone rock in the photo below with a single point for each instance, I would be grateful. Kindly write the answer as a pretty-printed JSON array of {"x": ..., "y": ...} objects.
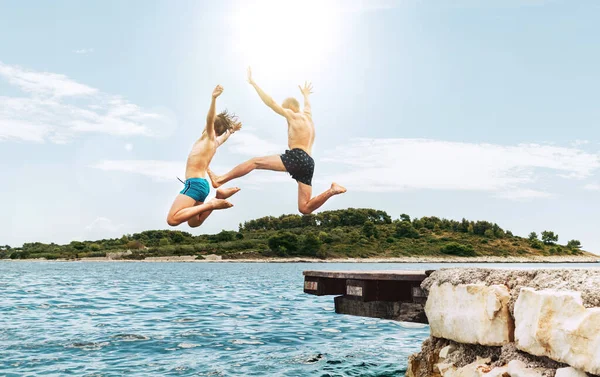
[
  {"x": 470, "y": 313},
  {"x": 475, "y": 369},
  {"x": 555, "y": 324},
  {"x": 518, "y": 368},
  {"x": 570, "y": 372},
  {"x": 444, "y": 352}
]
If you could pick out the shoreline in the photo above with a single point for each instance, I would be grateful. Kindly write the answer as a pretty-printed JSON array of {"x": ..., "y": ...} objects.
[{"x": 422, "y": 259}]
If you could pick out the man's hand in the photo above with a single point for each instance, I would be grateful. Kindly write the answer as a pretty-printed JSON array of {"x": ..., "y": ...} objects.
[
  {"x": 236, "y": 127},
  {"x": 217, "y": 92},
  {"x": 250, "y": 79},
  {"x": 307, "y": 90}
]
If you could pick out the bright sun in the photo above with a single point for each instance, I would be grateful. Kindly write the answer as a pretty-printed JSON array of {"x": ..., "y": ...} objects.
[{"x": 284, "y": 37}]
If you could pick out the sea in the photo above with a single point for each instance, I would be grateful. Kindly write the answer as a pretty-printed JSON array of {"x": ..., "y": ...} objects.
[{"x": 192, "y": 319}]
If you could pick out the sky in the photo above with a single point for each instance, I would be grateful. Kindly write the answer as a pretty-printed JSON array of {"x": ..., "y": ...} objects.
[{"x": 486, "y": 110}]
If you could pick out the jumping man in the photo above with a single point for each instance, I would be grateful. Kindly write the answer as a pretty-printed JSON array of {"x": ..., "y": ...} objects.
[
  {"x": 189, "y": 204},
  {"x": 297, "y": 161}
]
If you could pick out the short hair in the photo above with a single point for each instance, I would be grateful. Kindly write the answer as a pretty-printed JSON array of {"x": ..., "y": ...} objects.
[
  {"x": 224, "y": 121},
  {"x": 291, "y": 102}
]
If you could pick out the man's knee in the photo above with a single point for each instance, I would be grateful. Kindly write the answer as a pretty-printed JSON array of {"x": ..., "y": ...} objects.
[
  {"x": 303, "y": 208},
  {"x": 257, "y": 162}
]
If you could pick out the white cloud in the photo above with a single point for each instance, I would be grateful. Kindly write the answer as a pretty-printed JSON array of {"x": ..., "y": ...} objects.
[
  {"x": 157, "y": 170},
  {"x": 128, "y": 147},
  {"x": 380, "y": 165},
  {"x": 43, "y": 83},
  {"x": 104, "y": 224},
  {"x": 592, "y": 187},
  {"x": 84, "y": 51},
  {"x": 102, "y": 228},
  {"x": 57, "y": 109},
  {"x": 251, "y": 145}
]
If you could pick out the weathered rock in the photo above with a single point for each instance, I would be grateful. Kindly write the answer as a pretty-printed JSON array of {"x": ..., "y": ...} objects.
[
  {"x": 423, "y": 364},
  {"x": 470, "y": 313},
  {"x": 518, "y": 368},
  {"x": 585, "y": 281},
  {"x": 482, "y": 368},
  {"x": 570, "y": 372},
  {"x": 475, "y": 369},
  {"x": 556, "y": 324},
  {"x": 446, "y": 351},
  {"x": 510, "y": 352}
]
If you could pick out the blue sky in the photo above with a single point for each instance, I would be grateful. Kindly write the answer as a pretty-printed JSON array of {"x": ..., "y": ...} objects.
[{"x": 478, "y": 109}]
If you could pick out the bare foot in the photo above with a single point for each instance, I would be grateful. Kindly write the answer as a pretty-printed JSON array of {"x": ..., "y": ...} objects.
[
  {"x": 220, "y": 204},
  {"x": 337, "y": 189},
  {"x": 214, "y": 179},
  {"x": 224, "y": 193}
]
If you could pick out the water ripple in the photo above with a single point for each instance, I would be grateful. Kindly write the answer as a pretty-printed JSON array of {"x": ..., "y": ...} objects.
[{"x": 187, "y": 319}]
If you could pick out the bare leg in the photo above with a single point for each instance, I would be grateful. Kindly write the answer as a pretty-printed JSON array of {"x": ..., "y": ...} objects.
[
  {"x": 222, "y": 193},
  {"x": 184, "y": 208},
  {"x": 307, "y": 205},
  {"x": 265, "y": 163}
]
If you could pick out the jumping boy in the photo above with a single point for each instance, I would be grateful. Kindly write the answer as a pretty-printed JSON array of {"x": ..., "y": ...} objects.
[
  {"x": 297, "y": 161},
  {"x": 189, "y": 205}
]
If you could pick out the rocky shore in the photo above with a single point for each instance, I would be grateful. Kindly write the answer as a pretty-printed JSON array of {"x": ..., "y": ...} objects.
[{"x": 511, "y": 323}]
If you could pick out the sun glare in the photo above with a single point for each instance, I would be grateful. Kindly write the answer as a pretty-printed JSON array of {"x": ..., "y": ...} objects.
[{"x": 286, "y": 38}]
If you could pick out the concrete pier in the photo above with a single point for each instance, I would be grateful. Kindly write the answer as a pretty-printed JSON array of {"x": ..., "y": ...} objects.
[{"x": 395, "y": 295}]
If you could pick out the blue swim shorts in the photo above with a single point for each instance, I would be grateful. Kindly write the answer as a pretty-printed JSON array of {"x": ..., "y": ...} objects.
[{"x": 196, "y": 188}]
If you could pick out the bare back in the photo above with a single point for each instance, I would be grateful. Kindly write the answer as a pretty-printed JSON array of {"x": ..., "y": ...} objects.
[
  {"x": 301, "y": 131},
  {"x": 200, "y": 157}
]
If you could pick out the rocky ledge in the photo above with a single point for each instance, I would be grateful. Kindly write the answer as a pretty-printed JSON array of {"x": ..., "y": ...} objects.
[{"x": 519, "y": 323}]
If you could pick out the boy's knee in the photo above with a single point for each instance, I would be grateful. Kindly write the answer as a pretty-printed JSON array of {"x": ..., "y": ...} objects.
[
  {"x": 193, "y": 224},
  {"x": 171, "y": 221}
]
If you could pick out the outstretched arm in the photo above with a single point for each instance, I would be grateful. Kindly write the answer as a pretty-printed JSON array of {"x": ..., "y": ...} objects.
[
  {"x": 212, "y": 112},
  {"x": 265, "y": 97},
  {"x": 223, "y": 138},
  {"x": 306, "y": 92}
]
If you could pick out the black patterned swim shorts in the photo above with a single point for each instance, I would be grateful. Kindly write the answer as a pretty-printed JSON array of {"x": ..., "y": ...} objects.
[{"x": 299, "y": 164}]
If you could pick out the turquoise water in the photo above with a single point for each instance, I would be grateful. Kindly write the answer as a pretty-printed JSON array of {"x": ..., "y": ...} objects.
[{"x": 188, "y": 319}]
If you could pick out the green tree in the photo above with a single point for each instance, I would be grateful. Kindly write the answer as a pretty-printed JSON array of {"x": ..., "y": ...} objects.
[
  {"x": 76, "y": 245},
  {"x": 369, "y": 229},
  {"x": 224, "y": 236},
  {"x": 164, "y": 242},
  {"x": 536, "y": 244},
  {"x": 311, "y": 245},
  {"x": 533, "y": 236},
  {"x": 405, "y": 229},
  {"x": 457, "y": 249},
  {"x": 283, "y": 242},
  {"x": 549, "y": 238},
  {"x": 95, "y": 247},
  {"x": 404, "y": 217},
  {"x": 574, "y": 245},
  {"x": 177, "y": 237},
  {"x": 489, "y": 233}
]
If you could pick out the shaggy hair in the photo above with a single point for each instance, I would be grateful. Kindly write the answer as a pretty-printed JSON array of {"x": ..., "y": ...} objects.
[
  {"x": 224, "y": 121},
  {"x": 291, "y": 103}
]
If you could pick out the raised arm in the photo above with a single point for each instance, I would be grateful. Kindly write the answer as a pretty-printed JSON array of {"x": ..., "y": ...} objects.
[
  {"x": 223, "y": 138},
  {"x": 212, "y": 112},
  {"x": 306, "y": 92},
  {"x": 265, "y": 97}
]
